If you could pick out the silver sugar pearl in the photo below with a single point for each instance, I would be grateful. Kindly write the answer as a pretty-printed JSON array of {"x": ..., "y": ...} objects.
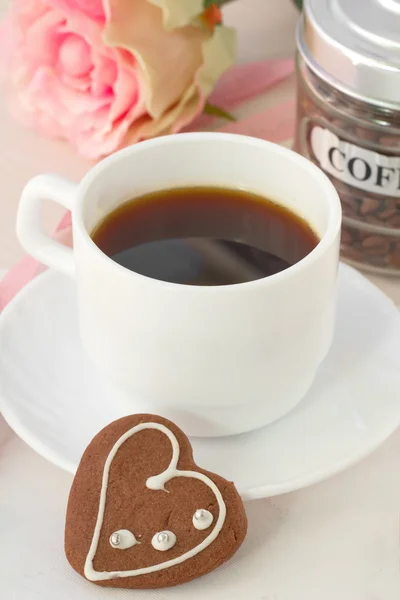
[
  {"x": 163, "y": 540},
  {"x": 115, "y": 539},
  {"x": 202, "y": 519}
]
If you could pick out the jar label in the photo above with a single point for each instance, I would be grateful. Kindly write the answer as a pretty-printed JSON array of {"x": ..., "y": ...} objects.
[{"x": 355, "y": 166}]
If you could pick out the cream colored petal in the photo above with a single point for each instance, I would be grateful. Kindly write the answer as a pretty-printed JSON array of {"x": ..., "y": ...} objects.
[
  {"x": 219, "y": 55},
  {"x": 168, "y": 59},
  {"x": 189, "y": 103},
  {"x": 177, "y": 13}
]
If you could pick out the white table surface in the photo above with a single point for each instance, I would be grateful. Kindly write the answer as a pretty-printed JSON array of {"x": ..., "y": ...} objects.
[{"x": 335, "y": 540}]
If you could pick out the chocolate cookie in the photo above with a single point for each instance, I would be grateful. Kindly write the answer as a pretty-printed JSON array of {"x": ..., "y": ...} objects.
[{"x": 142, "y": 514}]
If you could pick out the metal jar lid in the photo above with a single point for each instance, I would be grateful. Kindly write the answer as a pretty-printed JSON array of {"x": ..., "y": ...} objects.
[{"x": 355, "y": 46}]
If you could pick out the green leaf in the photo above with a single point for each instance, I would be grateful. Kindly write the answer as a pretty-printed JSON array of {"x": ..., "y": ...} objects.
[
  {"x": 216, "y": 111},
  {"x": 299, "y": 3},
  {"x": 219, "y": 3}
]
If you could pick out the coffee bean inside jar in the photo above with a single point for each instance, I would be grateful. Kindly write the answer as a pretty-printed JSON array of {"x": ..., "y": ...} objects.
[{"x": 348, "y": 120}]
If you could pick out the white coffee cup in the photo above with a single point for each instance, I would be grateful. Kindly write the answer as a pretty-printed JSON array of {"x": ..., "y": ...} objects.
[{"x": 217, "y": 360}]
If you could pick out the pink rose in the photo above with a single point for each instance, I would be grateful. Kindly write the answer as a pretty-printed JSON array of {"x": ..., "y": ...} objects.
[{"x": 107, "y": 73}]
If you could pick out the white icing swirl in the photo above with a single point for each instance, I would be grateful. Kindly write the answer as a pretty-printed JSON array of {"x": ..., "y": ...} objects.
[
  {"x": 156, "y": 482},
  {"x": 163, "y": 540}
]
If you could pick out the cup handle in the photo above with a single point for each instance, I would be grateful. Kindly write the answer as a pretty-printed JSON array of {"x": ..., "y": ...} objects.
[{"x": 29, "y": 227}]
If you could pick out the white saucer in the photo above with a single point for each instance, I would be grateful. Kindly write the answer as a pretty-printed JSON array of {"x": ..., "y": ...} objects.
[{"x": 54, "y": 399}]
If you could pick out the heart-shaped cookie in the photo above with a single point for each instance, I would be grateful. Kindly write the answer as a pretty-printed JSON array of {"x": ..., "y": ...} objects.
[{"x": 142, "y": 514}]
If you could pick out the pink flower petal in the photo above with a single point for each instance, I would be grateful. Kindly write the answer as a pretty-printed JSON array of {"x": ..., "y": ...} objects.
[
  {"x": 43, "y": 40},
  {"x": 48, "y": 89},
  {"x": 74, "y": 56},
  {"x": 24, "y": 13},
  {"x": 91, "y": 8},
  {"x": 105, "y": 70},
  {"x": 99, "y": 136},
  {"x": 81, "y": 84},
  {"x": 126, "y": 94},
  {"x": 103, "y": 75}
]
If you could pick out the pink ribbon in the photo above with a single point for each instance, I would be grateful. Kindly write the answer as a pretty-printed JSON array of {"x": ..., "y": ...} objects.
[{"x": 241, "y": 83}]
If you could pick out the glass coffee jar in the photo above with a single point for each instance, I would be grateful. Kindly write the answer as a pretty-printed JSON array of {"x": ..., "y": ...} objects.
[{"x": 348, "y": 119}]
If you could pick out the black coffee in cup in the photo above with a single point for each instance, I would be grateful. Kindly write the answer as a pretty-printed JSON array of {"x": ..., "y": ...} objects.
[{"x": 204, "y": 236}]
